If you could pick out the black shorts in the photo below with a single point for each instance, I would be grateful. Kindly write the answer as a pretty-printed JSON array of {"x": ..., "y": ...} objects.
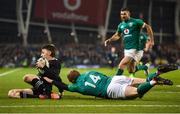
[
  {"x": 36, "y": 91},
  {"x": 44, "y": 91}
]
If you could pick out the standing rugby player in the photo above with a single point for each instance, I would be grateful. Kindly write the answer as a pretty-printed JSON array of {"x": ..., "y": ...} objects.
[{"x": 129, "y": 29}]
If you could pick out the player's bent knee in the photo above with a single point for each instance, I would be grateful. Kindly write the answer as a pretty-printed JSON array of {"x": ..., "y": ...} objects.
[
  {"x": 122, "y": 66},
  {"x": 25, "y": 78},
  {"x": 28, "y": 77}
]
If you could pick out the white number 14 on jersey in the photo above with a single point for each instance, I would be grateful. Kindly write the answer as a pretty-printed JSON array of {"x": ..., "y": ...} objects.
[{"x": 94, "y": 79}]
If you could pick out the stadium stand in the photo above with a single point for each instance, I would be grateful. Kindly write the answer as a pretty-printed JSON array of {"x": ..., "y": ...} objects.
[{"x": 90, "y": 50}]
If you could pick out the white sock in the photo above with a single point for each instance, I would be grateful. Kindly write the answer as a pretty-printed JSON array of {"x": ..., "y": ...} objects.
[{"x": 152, "y": 82}]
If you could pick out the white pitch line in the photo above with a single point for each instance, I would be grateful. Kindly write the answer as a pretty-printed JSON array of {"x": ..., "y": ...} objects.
[
  {"x": 80, "y": 106},
  {"x": 8, "y": 72},
  {"x": 167, "y": 92},
  {"x": 89, "y": 113}
]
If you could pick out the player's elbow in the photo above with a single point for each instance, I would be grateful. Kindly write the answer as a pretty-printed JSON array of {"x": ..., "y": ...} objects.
[{"x": 148, "y": 27}]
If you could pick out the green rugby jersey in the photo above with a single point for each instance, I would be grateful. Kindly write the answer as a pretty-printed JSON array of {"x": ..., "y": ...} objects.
[
  {"x": 143, "y": 39},
  {"x": 130, "y": 30},
  {"x": 91, "y": 83}
]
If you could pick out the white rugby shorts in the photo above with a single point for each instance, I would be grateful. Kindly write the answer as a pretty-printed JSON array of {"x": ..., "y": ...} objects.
[
  {"x": 136, "y": 55},
  {"x": 117, "y": 87}
]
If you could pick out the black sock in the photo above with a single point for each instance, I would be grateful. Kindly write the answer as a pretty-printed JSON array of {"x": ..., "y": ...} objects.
[{"x": 26, "y": 95}]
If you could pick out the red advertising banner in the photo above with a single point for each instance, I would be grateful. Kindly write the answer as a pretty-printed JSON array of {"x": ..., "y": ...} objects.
[{"x": 78, "y": 11}]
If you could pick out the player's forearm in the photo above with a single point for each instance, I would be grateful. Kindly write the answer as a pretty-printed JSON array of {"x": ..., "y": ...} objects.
[
  {"x": 60, "y": 85},
  {"x": 150, "y": 33},
  {"x": 115, "y": 37}
]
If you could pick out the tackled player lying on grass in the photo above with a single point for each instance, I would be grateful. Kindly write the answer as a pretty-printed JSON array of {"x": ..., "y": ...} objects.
[{"x": 117, "y": 87}]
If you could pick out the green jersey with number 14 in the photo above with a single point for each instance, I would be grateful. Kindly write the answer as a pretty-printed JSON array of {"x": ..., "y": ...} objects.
[{"x": 91, "y": 83}]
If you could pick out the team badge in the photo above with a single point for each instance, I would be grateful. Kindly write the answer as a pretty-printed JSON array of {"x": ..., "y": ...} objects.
[{"x": 126, "y": 31}]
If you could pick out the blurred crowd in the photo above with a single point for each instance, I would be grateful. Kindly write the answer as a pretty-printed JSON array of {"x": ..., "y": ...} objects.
[
  {"x": 18, "y": 56},
  {"x": 163, "y": 54},
  {"x": 84, "y": 54}
]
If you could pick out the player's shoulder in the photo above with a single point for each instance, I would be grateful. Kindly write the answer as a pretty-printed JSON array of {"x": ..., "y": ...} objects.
[
  {"x": 136, "y": 19},
  {"x": 89, "y": 72},
  {"x": 55, "y": 61},
  {"x": 93, "y": 72}
]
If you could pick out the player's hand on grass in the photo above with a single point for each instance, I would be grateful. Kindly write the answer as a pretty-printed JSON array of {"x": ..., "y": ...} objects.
[{"x": 48, "y": 80}]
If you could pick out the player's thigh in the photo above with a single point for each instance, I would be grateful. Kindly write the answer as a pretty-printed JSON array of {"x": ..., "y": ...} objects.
[
  {"x": 115, "y": 91},
  {"x": 122, "y": 80},
  {"x": 137, "y": 81},
  {"x": 125, "y": 60},
  {"x": 131, "y": 65},
  {"x": 29, "y": 77},
  {"x": 117, "y": 87},
  {"x": 131, "y": 91},
  {"x": 138, "y": 56}
]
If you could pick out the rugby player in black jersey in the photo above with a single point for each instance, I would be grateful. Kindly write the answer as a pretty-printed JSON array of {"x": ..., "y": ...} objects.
[{"x": 48, "y": 66}]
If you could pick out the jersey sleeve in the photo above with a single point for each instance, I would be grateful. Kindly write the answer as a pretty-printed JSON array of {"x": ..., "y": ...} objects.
[
  {"x": 60, "y": 85},
  {"x": 72, "y": 87},
  {"x": 119, "y": 28},
  {"x": 140, "y": 22}
]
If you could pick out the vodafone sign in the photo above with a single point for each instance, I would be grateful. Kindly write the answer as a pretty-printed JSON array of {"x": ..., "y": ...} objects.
[{"x": 79, "y": 11}]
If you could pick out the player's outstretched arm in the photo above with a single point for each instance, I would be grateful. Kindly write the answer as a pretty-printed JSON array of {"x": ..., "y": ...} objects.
[
  {"x": 59, "y": 85},
  {"x": 115, "y": 37}
]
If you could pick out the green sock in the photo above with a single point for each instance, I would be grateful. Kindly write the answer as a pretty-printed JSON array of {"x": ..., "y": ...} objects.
[
  {"x": 143, "y": 88},
  {"x": 131, "y": 75},
  {"x": 141, "y": 67},
  {"x": 119, "y": 72},
  {"x": 150, "y": 77}
]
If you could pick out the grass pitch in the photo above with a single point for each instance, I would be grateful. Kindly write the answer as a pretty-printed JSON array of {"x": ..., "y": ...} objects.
[{"x": 160, "y": 99}]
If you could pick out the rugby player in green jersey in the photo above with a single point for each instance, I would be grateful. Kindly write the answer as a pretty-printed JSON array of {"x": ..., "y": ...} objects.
[
  {"x": 117, "y": 87},
  {"x": 129, "y": 29}
]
